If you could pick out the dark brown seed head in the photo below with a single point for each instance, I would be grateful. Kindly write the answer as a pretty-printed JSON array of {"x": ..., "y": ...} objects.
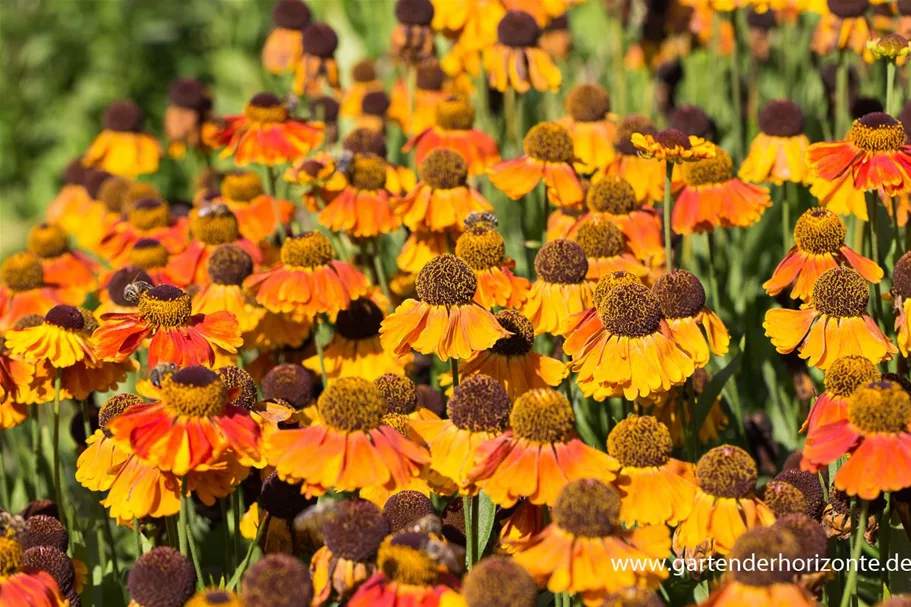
[{"x": 162, "y": 577}]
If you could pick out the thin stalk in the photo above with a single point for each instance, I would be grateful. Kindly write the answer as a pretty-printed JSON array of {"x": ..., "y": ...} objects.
[
  {"x": 58, "y": 488},
  {"x": 510, "y": 114},
  {"x": 668, "y": 252},
  {"x": 381, "y": 272},
  {"x": 137, "y": 539},
  {"x": 472, "y": 507},
  {"x": 874, "y": 249},
  {"x": 896, "y": 231},
  {"x": 713, "y": 272},
  {"x": 4, "y": 488},
  {"x": 890, "y": 87},
  {"x": 737, "y": 99},
  {"x": 545, "y": 212},
  {"x": 319, "y": 349},
  {"x": 850, "y": 588},
  {"x": 841, "y": 96},
  {"x": 236, "y": 508},
  {"x": 109, "y": 535},
  {"x": 35, "y": 424},
  {"x": 693, "y": 438},
  {"x": 186, "y": 532},
  {"x": 273, "y": 193},
  {"x": 454, "y": 367},
  {"x": 226, "y": 534},
  {"x": 232, "y": 583}
]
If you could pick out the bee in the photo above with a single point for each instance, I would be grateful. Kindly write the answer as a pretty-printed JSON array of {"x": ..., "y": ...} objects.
[
  {"x": 430, "y": 524},
  {"x": 160, "y": 371},
  {"x": 450, "y": 556},
  {"x": 293, "y": 103},
  {"x": 486, "y": 218},
  {"x": 310, "y": 521},
  {"x": 132, "y": 291},
  {"x": 344, "y": 161},
  {"x": 214, "y": 210}
]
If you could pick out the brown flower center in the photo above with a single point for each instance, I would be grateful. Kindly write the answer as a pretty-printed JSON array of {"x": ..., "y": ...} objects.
[
  {"x": 640, "y": 442},
  {"x": 820, "y": 231},
  {"x": 549, "y": 142},
  {"x": 588, "y": 508},
  {"x": 727, "y": 471},
  {"x": 367, "y": 172},
  {"x": 522, "y": 339},
  {"x": 877, "y": 132},
  {"x": 148, "y": 253},
  {"x": 848, "y": 373},
  {"x": 710, "y": 171},
  {"x": 901, "y": 276},
  {"x": 518, "y": 29},
  {"x": 47, "y": 241},
  {"x": 630, "y": 310},
  {"x": 214, "y": 225},
  {"x": 781, "y": 118},
  {"x": 399, "y": 392},
  {"x": 351, "y": 404},
  {"x": 446, "y": 280},
  {"x": 444, "y": 169},
  {"x": 241, "y": 186},
  {"x": 113, "y": 407},
  {"x": 149, "y": 214},
  {"x": 229, "y": 265},
  {"x": 455, "y": 115},
  {"x": 880, "y": 406},
  {"x": 309, "y": 250},
  {"x": 165, "y": 306},
  {"x": 841, "y": 293},
  {"x": 613, "y": 194},
  {"x": 479, "y": 404},
  {"x": 588, "y": 103},
  {"x": 481, "y": 247},
  {"x": 600, "y": 238},
  {"x": 680, "y": 294},
  {"x": 265, "y": 108},
  {"x": 22, "y": 272},
  {"x": 561, "y": 262},
  {"x": 194, "y": 392}
]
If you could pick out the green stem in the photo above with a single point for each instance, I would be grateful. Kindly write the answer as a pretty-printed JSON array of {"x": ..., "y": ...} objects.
[
  {"x": 226, "y": 534},
  {"x": 109, "y": 535},
  {"x": 713, "y": 272},
  {"x": 454, "y": 367},
  {"x": 841, "y": 96},
  {"x": 4, "y": 488},
  {"x": 186, "y": 532},
  {"x": 273, "y": 193},
  {"x": 472, "y": 507},
  {"x": 850, "y": 588},
  {"x": 319, "y": 350},
  {"x": 182, "y": 522},
  {"x": 668, "y": 252},
  {"x": 35, "y": 428},
  {"x": 236, "y": 508},
  {"x": 137, "y": 537},
  {"x": 874, "y": 248},
  {"x": 58, "y": 488},
  {"x": 380, "y": 271},
  {"x": 545, "y": 212},
  {"x": 896, "y": 231},
  {"x": 737, "y": 99},
  {"x": 235, "y": 579},
  {"x": 890, "y": 86}
]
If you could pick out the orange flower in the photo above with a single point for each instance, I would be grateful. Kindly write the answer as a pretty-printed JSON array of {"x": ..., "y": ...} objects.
[
  {"x": 320, "y": 179},
  {"x": 72, "y": 202},
  {"x": 122, "y": 148},
  {"x": 875, "y": 435},
  {"x": 363, "y": 208},
  {"x": 590, "y": 127},
  {"x": 845, "y": 28},
  {"x": 150, "y": 257},
  {"x": 399, "y": 179},
  {"x": 21, "y": 585},
  {"x": 833, "y": 324},
  {"x": 548, "y": 156},
  {"x": 901, "y": 302},
  {"x": 347, "y": 448},
  {"x": 613, "y": 198},
  {"x": 625, "y": 344},
  {"x": 284, "y": 44},
  {"x": 15, "y": 376},
  {"x": 819, "y": 238},
  {"x": 606, "y": 248},
  {"x": 874, "y": 153},
  {"x": 562, "y": 220},
  {"x": 516, "y": 61},
  {"x": 560, "y": 290},
  {"x": 364, "y": 81},
  {"x": 576, "y": 553},
  {"x": 672, "y": 145},
  {"x": 24, "y": 291},
  {"x": 725, "y": 506},
  {"x": 446, "y": 320},
  {"x": 266, "y": 134},
  {"x": 655, "y": 489},
  {"x": 841, "y": 380},
  {"x": 355, "y": 349},
  {"x": 308, "y": 281},
  {"x": 682, "y": 300},
  {"x": 259, "y": 216},
  {"x": 482, "y": 248},
  {"x": 228, "y": 267},
  {"x": 539, "y": 455},
  {"x": 317, "y": 68},
  {"x": 62, "y": 265},
  {"x": 778, "y": 153},
  {"x": 164, "y": 313},
  {"x": 63, "y": 339},
  {"x": 453, "y": 130},
  {"x": 646, "y": 178},
  {"x": 442, "y": 200},
  {"x": 416, "y": 112},
  {"x": 191, "y": 427},
  {"x": 147, "y": 218},
  {"x": 512, "y": 361},
  {"x": 420, "y": 248},
  {"x": 839, "y": 195},
  {"x": 187, "y": 115}
]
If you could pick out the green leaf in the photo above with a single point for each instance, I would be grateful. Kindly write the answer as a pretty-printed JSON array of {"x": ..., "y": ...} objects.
[
  {"x": 486, "y": 515},
  {"x": 716, "y": 385}
]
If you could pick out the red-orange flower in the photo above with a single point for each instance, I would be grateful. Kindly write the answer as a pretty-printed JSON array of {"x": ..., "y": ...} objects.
[
  {"x": 258, "y": 215},
  {"x": 61, "y": 264},
  {"x": 614, "y": 198},
  {"x": 266, "y": 134},
  {"x": 483, "y": 249},
  {"x": 561, "y": 289},
  {"x": 164, "y": 313},
  {"x": 284, "y": 44},
  {"x": 590, "y": 127},
  {"x": 24, "y": 291},
  {"x": 841, "y": 380},
  {"x": 363, "y": 208},
  {"x": 21, "y": 585},
  {"x": 146, "y": 218},
  {"x": 191, "y": 427}
]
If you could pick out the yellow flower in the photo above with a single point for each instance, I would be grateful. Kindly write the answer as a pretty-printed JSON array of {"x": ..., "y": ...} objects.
[
  {"x": 890, "y": 46},
  {"x": 672, "y": 145}
]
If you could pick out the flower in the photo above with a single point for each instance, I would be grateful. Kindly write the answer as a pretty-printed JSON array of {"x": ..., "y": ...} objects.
[
  {"x": 122, "y": 148},
  {"x": 363, "y": 208},
  {"x": 834, "y": 323},
  {"x": 150, "y": 257},
  {"x": 627, "y": 328},
  {"x": 214, "y": 597},
  {"x": 549, "y": 154},
  {"x": 590, "y": 127},
  {"x": 317, "y": 67},
  {"x": 673, "y": 146},
  {"x": 841, "y": 380},
  {"x": 147, "y": 218},
  {"x": 614, "y": 198},
  {"x": 778, "y": 153},
  {"x": 712, "y": 197},
  {"x": 560, "y": 291},
  {"x": 266, "y": 134},
  {"x": 284, "y": 44},
  {"x": 497, "y": 581},
  {"x": 516, "y": 61},
  {"x": 308, "y": 281},
  {"x": 674, "y": 408},
  {"x": 483, "y": 249},
  {"x": 258, "y": 214},
  {"x": 406, "y": 575},
  {"x": 227, "y": 268},
  {"x": 606, "y": 248},
  {"x": 844, "y": 27},
  {"x": 725, "y": 506},
  {"x": 21, "y": 585},
  {"x": 646, "y": 178},
  {"x": 682, "y": 300},
  {"x": 364, "y": 80},
  {"x": 15, "y": 376},
  {"x": 412, "y": 38},
  {"x": 187, "y": 115},
  {"x": 444, "y": 320},
  {"x": 111, "y": 292},
  {"x": 654, "y": 488},
  {"x": 893, "y": 47},
  {"x": 352, "y": 537},
  {"x": 901, "y": 301},
  {"x": 399, "y": 180},
  {"x": 24, "y": 291},
  {"x": 477, "y": 411},
  {"x": 191, "y": 427},
  {"x": 61, "y": 264},
  {"x": 416, "y": 111},
  {"x": 420, "y": 248},
  {"x": 442, "y": 200},
  {"x": 874, "y": 153},
  {"x": 575, "y": 553},
  {"x": 164, "y": 313},
  {"x": 453, "y": 129},
  {"x": 539, "y": 455},
  {"x": 355, "y": 349},
  {"x": 876, "y": 434},
  {"x": 161, "y": 576},
  {"x": 347, "y": 448},
  {"x": 766, "y": 587},
  {"x": 819, "y": 237}
]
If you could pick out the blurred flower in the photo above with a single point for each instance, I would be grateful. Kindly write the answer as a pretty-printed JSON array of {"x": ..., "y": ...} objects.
[
  {"x": 399, "y": 180},
  {"x": 412, "y": 38},
  {"x": 258, "y": 215},
  {"x": 122, "y": 148},
  {"x": 15, "y": 376},
  {"x": 573, "y": 554},
  {"x": 819, "y": 237},
  {"x": 145, "y": 218},
  {"x": 210, "y": 227},
  {"x": 284, "y": 44},
  {"x": 266, "y": 134},
  {"x": 214, "y": 597},
  {"x": 516, "y": 61},
  {"x": 186, "y": 116},
  {"x": 24, "y": 291},
  {"x": 484, "y": 250},
  {"x": 590, "y": 127},
  {"x": 161, "y": 576},
  {"x": 444, "y": 320},
  {"x": 834, "y": 323},
  {"x": 364, "y": 81},
  {"x": 415, "y": 111},
  {"x": 778, "y": 153},
  {"x": 363, "y": 208},
  {"x": 845, "y": 27},
  {"x": 893, "y": 47},
  {"x": 556, "y": 38},
  {"x": 561, "y": 289},
  {"x": 20, "y": 584},
  {"x": 539, "y": 455},
  {"x": 549, "y": 156},
  {"x": 672, "y": 145},
  {"x": 374, "y": 111},
  {"x": 61, "y": 264},
  {"x": 317, "y": 69}
]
